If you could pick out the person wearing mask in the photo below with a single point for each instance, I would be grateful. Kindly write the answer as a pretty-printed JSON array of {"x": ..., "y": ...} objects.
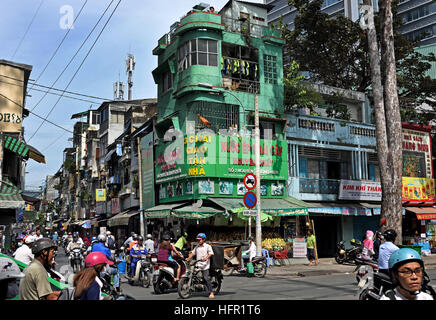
[
  {"x": 407, "y": 274},
  {"x": 250, "y": 253},
  {"x": 19, "y": 240},
  {"x": 203, "y": 252},
  {"x": 87, "y": 282},
  {"x": 164, "y": 253},
  {"x": 35, "y": 284},
  {"x": 24, "y": 253},
  {"x": 137, "y": 251},
  {"x": 368, "y": 245},
  {"x": 76, "y": 243},
  {"x": 386, "y": 249},
  {"x": 9, "y": 273},
  {"x": 149, "y": 244},
  {"x": 101, "y": 247}
]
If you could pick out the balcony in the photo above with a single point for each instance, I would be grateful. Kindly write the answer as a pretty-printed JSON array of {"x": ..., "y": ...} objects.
[
  {"x": 199, "y": 20},
  {"x": 330, "y": 130},
  {"x": 322, "y": 186},
  {"x": 253, "y": 30}
]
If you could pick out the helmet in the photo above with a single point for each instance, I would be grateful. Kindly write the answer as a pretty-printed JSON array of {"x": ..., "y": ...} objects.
[
  {"x": 95, "y": 258},
  {"x": 390, "y": 235},
  {"x": 69, "y": 233},
  {"x": 21, "y": 237},
  {"x": 403, "y": 256},
  {"x": 94, "y": 239},
  {"x": 149, "y": 236},
  {"x": 201, "y": 235},
  {"x": 135, "y": 237},
  {"x": 29, "y": 239},
  {"x": 369, "y": 233},
  {"x": 42, "y": 244},
  {"x": 250, "y": 238},
  {"x": 108, "y": 233},
  {"x": 140, "y": 238},
  {"x": 9, "y": 269},
  {"x": 166, "y": 237},
  {"x": 101, "y": 238},
  {"x": 185, "y": 234}
]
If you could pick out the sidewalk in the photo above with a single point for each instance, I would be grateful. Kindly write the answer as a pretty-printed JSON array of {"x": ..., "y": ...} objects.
[{"x": 298, "y": 267}]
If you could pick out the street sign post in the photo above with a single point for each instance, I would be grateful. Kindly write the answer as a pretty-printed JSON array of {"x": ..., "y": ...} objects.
[
  {"x": 250, "y": 199},
  {"x": 250, "y": 181},
  {"x": 249, "y": 213}
]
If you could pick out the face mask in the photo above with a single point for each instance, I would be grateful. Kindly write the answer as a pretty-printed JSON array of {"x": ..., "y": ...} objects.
[
  {"x": 12, "y": 290},
  {"x": 20, "y": 244}
]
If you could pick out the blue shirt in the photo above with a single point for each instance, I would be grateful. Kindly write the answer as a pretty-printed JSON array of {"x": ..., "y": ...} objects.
[
  {"x": 100, "y": 247},
  {"x": 137, "y": 252},
  {"x": 92, "y": 293},
  {"x": 385, "y": 251}
]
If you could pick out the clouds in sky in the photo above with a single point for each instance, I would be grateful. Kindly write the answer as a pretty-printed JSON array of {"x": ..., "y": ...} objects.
[{"x": 135, "y": 27}]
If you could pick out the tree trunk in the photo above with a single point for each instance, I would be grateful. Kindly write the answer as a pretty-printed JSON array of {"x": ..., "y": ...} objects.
[{"x": 387, "y": 114}]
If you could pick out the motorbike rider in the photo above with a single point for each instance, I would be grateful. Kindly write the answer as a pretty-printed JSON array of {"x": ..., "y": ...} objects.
[
  {"x": 129, "y": 239},
  {"x": 165, "y": 252},
  {"x": 386, "y": 249},
  {"x": 137, "y": 251},
  {"x": 368, "y": 245},
  {"x": 76, "y": 243},
  {"x": 35, "y": 284},
  {"x": 20, "y": 240},
  {"x": 101, "y": 247},
  {"x": 94, "y": 240},
  {"x": 182, "y": 242},
  {"x": 406, "y": 270},
  {"x": 377, "y": 242},
  {"x": 149, "y": 244},
  {"x": 203, "y": 252},
  {"x": 24, "y": 253},
  {"x": 250, "y": 253},
  {"x": 9, "y": 273}
]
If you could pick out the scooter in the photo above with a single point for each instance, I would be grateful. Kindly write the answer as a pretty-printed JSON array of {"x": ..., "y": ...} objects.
[
  {"x": 109, "y": 289},
  {"x": 193, "y": 281},
  {"x": 143, "y": 272},
  {"x": 259, "y": 264},
  {"x": 164, "y": 275},
  {"x": 348, "y": 255},
  {"x": 77, "y": 259}
]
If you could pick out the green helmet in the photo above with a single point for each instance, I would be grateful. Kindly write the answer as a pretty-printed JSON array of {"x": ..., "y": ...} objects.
[{"x": 403, "y": 256}]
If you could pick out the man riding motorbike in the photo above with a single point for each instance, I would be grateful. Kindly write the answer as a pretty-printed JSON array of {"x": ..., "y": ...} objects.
[
  {"x": 137, "y": 251},
  {"x": 406, "y": 270},
  {"x": 386, "y": 249}
]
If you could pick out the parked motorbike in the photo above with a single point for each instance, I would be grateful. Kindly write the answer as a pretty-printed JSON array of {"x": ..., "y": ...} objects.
[
  {"x": 193, "y": 281},
  {"x": 143, "y": 272},
  {"x": 164, "y": 275},
  {"x": 348, "y": 255},
  {"x": 259, "y": 264},
  {"x": 77, "y": 259}
]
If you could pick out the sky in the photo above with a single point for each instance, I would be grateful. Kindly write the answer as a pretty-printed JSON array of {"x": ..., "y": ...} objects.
[{"x": 134, "y": 28}]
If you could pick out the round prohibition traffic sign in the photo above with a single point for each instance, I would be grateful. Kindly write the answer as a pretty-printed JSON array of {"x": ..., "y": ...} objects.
[
  {"x": 250, "y": 199},
  {"x": 250, "y": 181}
]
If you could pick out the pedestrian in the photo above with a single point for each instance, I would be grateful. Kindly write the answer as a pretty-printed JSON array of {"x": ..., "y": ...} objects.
[
  {"x": 368, "y": 246},
  {"x": 87, "y": 282},
  {"x": 9, "y": 273},
  {"x": 203, "y": 252},
  {"x": 149, "y": 244},
  {"x": 407, "y": 271},
  {"x": 311, "y": 247},
  {"x": 386, "y": 249},
  {"x": 35, "y": 284},
  {"x": 24, "y": 253}
]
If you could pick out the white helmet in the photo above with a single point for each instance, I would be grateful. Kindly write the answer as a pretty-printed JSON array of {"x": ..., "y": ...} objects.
[
  {"x": 108, "y": 233},
  {"x": 149, "y": 236},
  {"x": 29, "y": 239},
  {"x": 9, "y": 269},
  {"x": 101, "y": 238}
]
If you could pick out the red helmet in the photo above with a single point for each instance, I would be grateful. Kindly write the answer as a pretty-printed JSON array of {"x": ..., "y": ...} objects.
[{"x": 95, "y": 258}]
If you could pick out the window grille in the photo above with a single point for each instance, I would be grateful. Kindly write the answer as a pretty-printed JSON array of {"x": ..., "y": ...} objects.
[{"x": 220, "y": 115}]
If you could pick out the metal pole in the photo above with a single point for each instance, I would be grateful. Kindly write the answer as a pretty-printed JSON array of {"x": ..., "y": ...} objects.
[
  {"x": 141, "y": 214},
  {"x": 257, "y": 161}
]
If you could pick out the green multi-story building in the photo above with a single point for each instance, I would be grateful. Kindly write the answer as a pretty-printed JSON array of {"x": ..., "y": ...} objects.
[{"x": 211, "y": 69}]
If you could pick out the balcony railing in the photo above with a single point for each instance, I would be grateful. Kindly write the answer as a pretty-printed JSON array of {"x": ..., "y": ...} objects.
[
  {"x": 323, "y": 186},
  {"x": 251, "y": 29}
]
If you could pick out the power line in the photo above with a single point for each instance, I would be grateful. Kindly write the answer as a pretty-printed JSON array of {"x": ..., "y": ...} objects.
[
  {"x": 27, "y": 30},
  {"x": 72, "y": 58},
  {"x": 55, "y": 89},
  {"x": 56, "y": 94},
  {"x": 83, "y": 61},
  {"x": 62, "y": 41},
  {"x": 36, "y": 114}
]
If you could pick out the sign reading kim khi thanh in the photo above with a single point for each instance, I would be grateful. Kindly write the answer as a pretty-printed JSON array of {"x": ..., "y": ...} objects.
[{"x": 360, "y": 190}]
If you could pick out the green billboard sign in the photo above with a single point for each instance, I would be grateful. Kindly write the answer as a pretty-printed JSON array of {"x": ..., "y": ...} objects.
[{"x": 147, "y": 171}]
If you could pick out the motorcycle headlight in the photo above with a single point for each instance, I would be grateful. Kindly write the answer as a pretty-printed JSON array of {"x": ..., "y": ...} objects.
[{"x": 342, "y": 251}]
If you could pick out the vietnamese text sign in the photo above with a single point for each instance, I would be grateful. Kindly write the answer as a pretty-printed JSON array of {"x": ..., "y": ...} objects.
[
  {"x": 299, "y": 248},
  {"x": 147, "y": 171},
  {"x": 418, "y": 189},
  {"x": 11, "y": 110},
  {"x": 360, "y": 190},
  {"x": 417, "y": 156},
  {"x": 100, "y": 195}
]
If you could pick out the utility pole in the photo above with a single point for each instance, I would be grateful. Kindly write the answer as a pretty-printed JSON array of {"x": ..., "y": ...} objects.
[
  {"x": 141, "y": 209},
  {"x": 257, "y": 161},
  {"x": 130, "y": 66}
]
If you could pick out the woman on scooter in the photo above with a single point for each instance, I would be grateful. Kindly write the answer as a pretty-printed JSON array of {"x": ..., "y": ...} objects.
[
  {"x": 163, "y": 256},
  {"x": 368, "y": 245}
]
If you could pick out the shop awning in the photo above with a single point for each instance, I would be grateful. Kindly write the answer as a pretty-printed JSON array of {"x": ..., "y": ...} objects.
[
  {"x": 423, "y": 213},
  {"x": 36, "y": 155},
  {"x": 23, "y": 150},
  {"x": 162, "y": 210},
  {"x": 109, "y": 155},
  {"x": 339, "y": 208},
  {"x": 14, "y": 201},
  {"x": 121, "y": 219},
  {"x": 229, "y": 204},
  {"x": 282, "y": 207},
  {"x": 191, "y": 212}
]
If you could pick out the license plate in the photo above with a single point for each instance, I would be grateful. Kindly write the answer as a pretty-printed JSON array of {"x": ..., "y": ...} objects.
[{"x": 153, "y": 259}]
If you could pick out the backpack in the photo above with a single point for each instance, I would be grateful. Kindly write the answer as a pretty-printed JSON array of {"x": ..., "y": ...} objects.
[
  {"x": 67, "y": 293},
  {"x": 111, "y": 243}
]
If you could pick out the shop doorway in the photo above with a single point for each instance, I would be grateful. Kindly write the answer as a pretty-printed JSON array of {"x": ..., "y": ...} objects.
[{"x": 326, "y": 231}]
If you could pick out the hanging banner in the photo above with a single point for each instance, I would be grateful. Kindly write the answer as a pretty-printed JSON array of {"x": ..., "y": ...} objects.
[
  {"x": 147, "y": 171},
  {"x": 360, "y": 190}
]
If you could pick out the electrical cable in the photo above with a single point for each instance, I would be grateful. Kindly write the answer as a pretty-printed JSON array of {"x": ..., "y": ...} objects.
[
  {"x": 27, "y": 30},
  {"x": 78, "y": 69},
  {"x": 62, "y": 41},
  {"x": 72, "y": 58}
]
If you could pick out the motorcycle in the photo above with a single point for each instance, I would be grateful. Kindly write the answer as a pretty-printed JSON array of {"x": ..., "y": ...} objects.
[
  {"x": 109, "y": 289},
  {"x": 164, "y": 275},
  {"x": 77, "y": 259},
  {"x": 142, "y": 272},
  {"x": 193, "y": 281},
  {"x": 348, "y": 255},
  {"x": 259, "y": 264}
]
